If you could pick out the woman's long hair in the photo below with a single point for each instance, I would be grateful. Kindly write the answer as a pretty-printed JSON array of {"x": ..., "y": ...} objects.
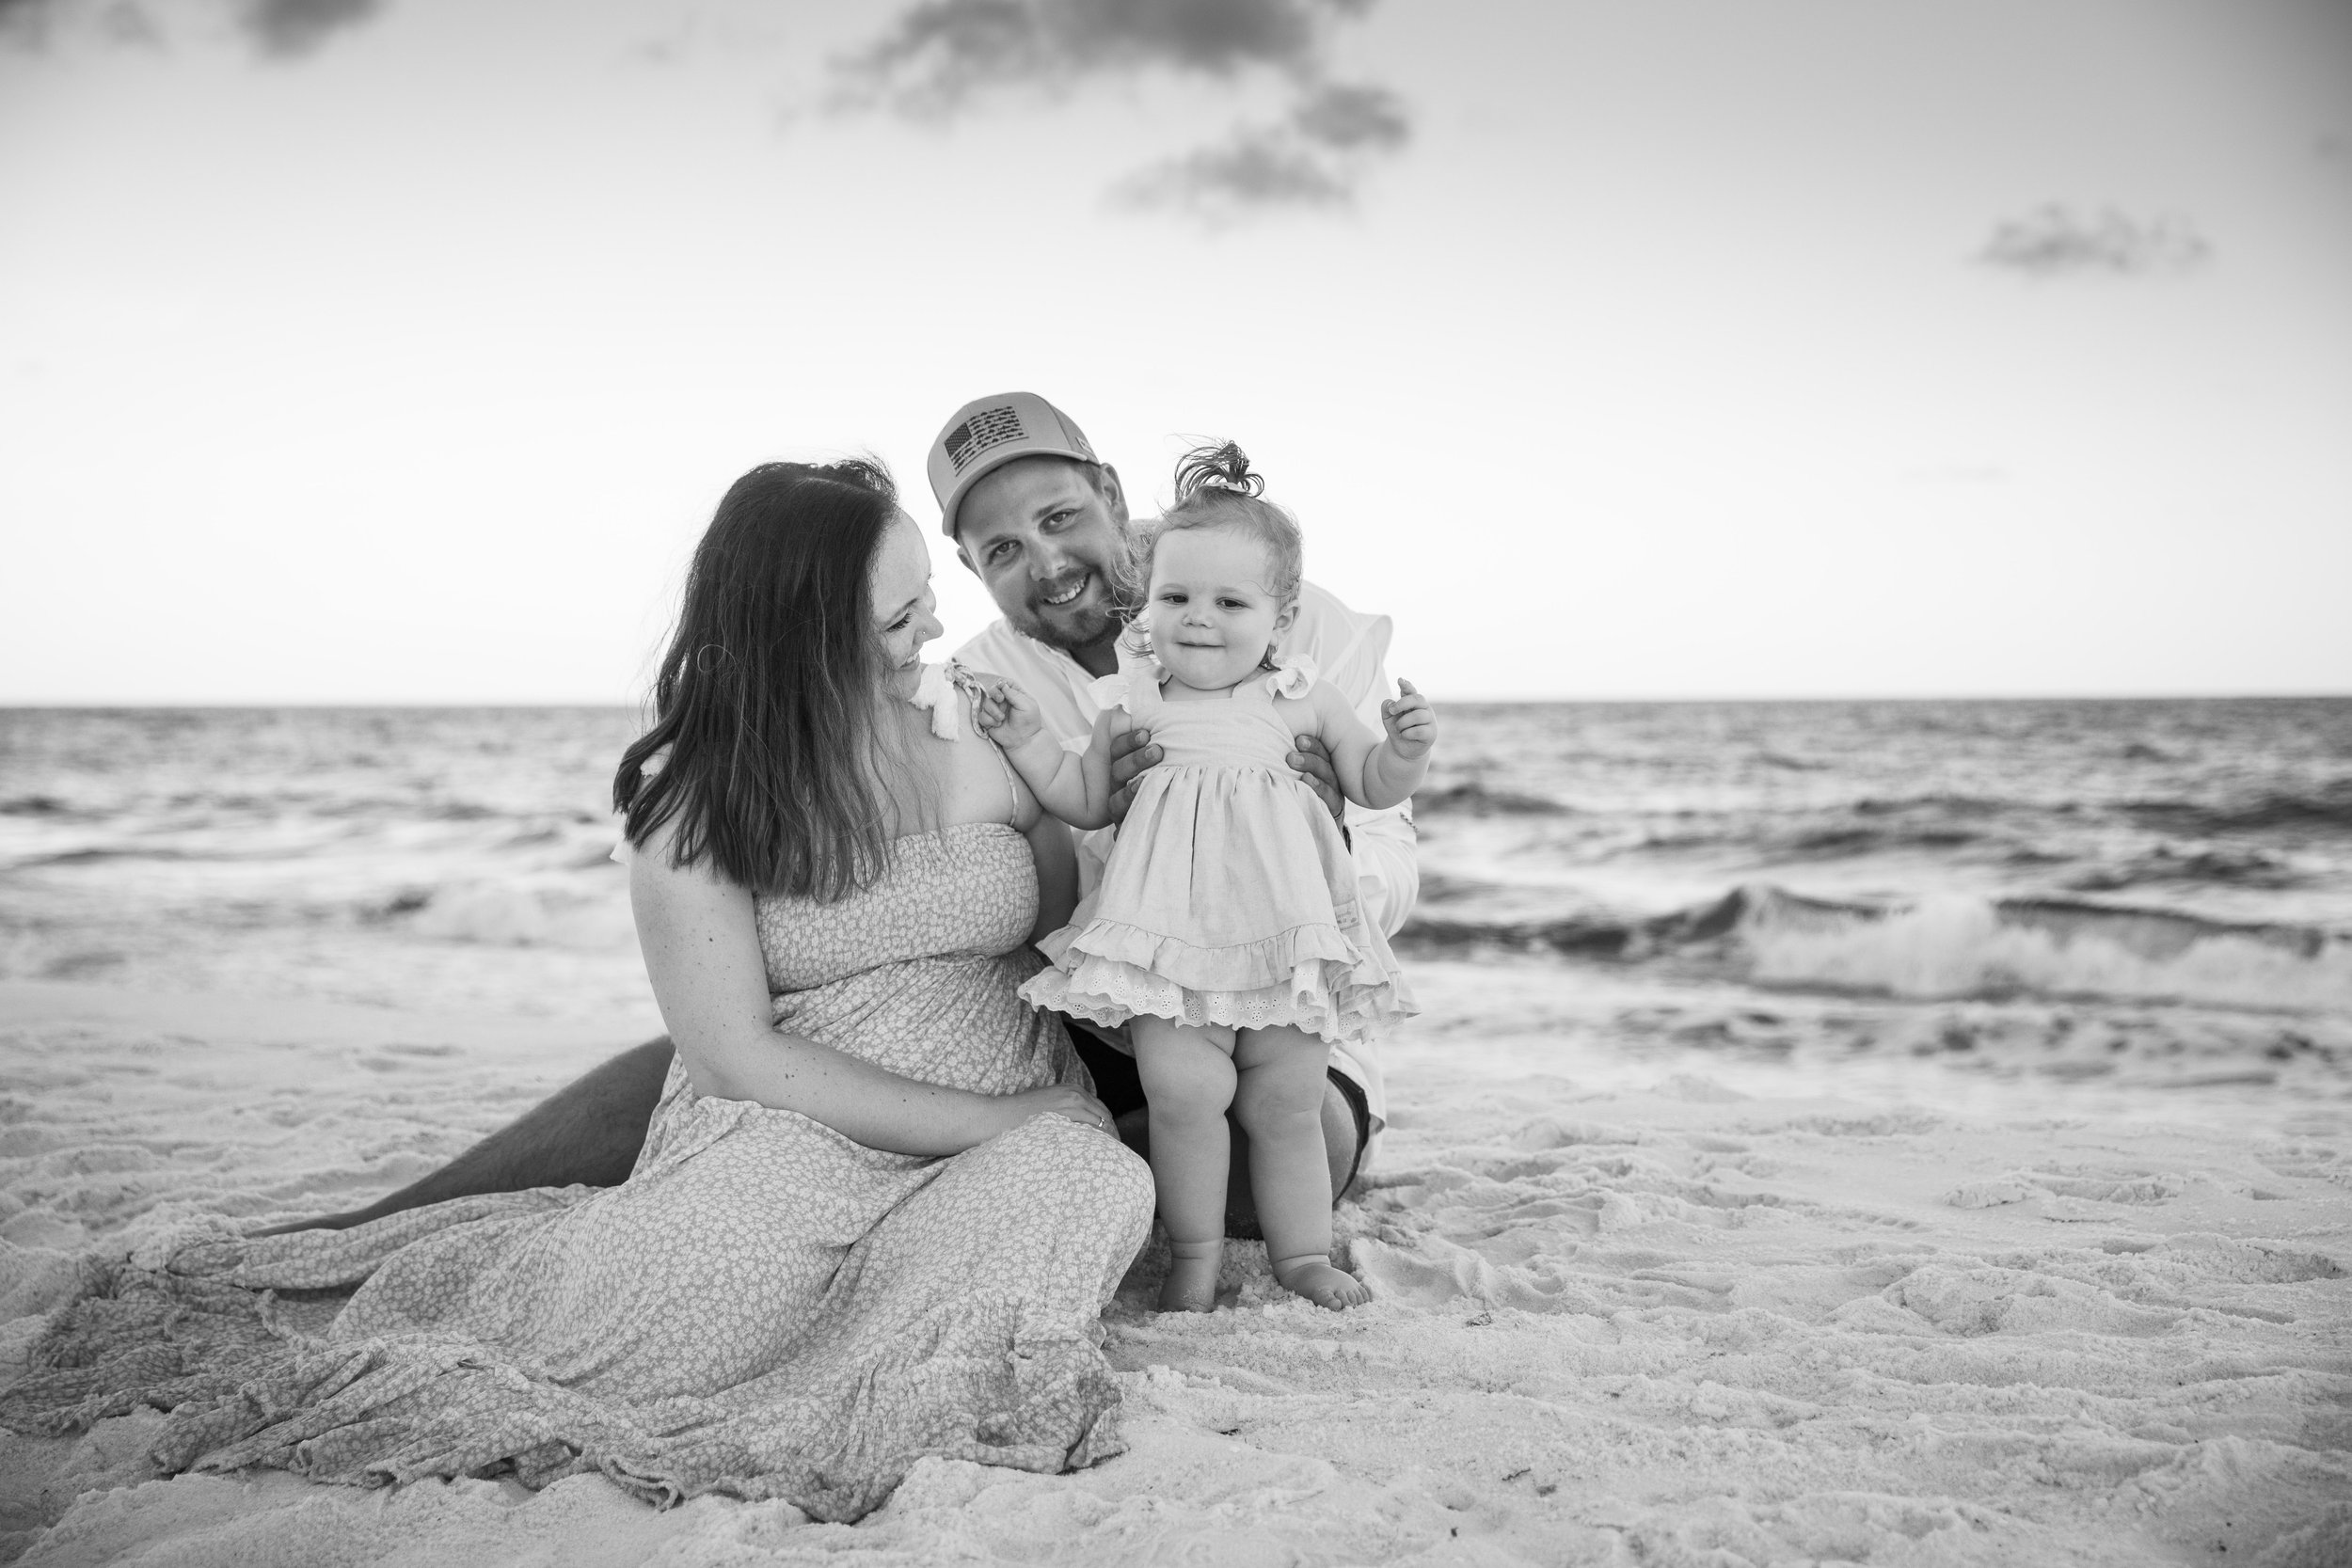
[{"x": 765, "y": 701}]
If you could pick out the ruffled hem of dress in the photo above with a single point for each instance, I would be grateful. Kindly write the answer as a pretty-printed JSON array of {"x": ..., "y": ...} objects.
[
  {"x": 1243, "y": 966},
  {"x": 398, "y": 1408},
  {"x": 1345, "y": 996}
]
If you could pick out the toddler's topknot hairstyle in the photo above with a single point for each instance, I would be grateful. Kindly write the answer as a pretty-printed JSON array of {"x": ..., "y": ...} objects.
[{"x": 1216, "y": 488}]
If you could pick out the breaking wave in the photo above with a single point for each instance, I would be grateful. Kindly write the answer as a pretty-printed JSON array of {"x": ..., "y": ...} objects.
[
  {"x": 1947, "y": 946},
  {"x": 1953, "y": 945}
]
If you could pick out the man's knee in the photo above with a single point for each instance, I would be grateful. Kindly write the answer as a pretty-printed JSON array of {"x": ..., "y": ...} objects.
[{"x": 1346, "y": 1129}]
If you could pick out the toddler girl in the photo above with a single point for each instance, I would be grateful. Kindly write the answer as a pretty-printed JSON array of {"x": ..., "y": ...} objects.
[{"x": 1226, "y": 933}]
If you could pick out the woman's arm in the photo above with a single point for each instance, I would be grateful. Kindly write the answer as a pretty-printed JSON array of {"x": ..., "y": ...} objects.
[
  {"x": 702, "y": 952},
  {"x": 1056, "y": 874}
]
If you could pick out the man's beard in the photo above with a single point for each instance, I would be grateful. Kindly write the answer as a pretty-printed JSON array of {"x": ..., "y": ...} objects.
[
  {"x": 1091, "y": 632},
  {"x": 1096, "y": 628}
]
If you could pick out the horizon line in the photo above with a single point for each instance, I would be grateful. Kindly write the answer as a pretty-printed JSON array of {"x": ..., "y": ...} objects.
[{"x": 333, "y": 703}]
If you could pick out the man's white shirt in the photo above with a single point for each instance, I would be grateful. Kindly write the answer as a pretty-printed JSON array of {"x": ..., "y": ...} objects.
[{"x": 1347, "y": 649}]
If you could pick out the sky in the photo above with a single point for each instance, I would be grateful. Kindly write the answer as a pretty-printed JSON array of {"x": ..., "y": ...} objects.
[{"x": 397, "y": 350}]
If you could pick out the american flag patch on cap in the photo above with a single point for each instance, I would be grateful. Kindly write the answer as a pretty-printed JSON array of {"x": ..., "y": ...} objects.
[{"x": 989, "y": 427}]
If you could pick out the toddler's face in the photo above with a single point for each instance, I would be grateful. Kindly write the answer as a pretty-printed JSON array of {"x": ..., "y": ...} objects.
[{"x": 1210, "y": 614}]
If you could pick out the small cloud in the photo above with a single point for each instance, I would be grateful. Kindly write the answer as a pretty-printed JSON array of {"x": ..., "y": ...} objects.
[
  {"x": 128, "y": 23},
  {"x": 284, "y": 28},
  {"x": 291, "y": 27},
  {"x": 1314, "y": 158},
  {"x": 26, "y": 23},
  {"x": 1256, "y": 169},
  {"x": 1351, "y": 118},
  {"x": 940, "y": 58},
  {"x": 2060, "y": 241}
]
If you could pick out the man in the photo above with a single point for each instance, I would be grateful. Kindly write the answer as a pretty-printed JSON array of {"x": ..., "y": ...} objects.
[{"x": 1043, "y": 524}]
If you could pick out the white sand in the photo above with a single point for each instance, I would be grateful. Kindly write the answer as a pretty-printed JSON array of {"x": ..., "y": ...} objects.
[{"x": 1633, "y": 1308}]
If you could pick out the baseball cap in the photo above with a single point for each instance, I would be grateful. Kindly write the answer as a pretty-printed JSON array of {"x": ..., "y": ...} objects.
[{"x": 987, "y": 432}]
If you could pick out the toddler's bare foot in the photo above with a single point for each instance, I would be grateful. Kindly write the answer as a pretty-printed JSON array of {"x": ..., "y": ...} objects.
[
  {"x": 1311, "y": 1274},
  {"x": 1193, "y": 1267}
]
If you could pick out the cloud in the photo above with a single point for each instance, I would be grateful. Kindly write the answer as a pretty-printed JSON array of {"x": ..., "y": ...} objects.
[
  {"x": 26, "y": 23},
  {"x": 2060, "y": 241},
  {"x": 942, "y": 59},
  {"x": 284, "y": 28},
  {"x": 941, "y": 55},
  {"x": 1314, "y": 158},
  {"x": 1257, "y": 168},
  {"x": 291, "y": 27}
]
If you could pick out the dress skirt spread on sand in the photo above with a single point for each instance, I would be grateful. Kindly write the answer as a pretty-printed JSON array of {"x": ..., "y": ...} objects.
[
  {"x": 765, "y": 1309},
  {"x": 1229, "y": 897}
]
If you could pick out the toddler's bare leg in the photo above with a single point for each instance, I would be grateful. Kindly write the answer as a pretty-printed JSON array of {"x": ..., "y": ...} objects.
[
  {"x": 1279, "y": 1102},
  {"x": 1187, "y": 1079}
]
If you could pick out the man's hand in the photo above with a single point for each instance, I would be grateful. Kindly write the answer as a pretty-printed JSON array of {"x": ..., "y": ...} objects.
[
  {"x": 1131, "y": 753},
  {"x": 1312, "y": 762},
  {"x": 1411, "y": 723}
]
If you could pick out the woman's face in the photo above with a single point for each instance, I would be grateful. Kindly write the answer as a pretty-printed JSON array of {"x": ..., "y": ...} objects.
[{"x": 898, "y": 591}]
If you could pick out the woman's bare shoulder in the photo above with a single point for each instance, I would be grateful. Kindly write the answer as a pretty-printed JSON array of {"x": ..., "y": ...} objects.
[{"x": 979, "y": 786}]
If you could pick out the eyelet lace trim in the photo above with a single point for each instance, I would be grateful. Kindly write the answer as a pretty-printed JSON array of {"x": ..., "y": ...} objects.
[{"x": 1313, "y": 979}]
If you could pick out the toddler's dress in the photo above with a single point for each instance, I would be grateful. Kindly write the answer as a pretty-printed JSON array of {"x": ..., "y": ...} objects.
[{"x": 1229, "y": 897}]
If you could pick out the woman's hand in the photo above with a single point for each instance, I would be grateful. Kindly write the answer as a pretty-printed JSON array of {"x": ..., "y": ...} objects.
[{"x": 1062, "y": 1100}]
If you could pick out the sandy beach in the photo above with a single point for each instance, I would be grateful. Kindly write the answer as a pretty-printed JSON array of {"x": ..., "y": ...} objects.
[{"x": 1638, "y": 1303}]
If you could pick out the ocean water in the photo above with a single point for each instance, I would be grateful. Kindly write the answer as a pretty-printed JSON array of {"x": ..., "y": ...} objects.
[{"x": 2033, "y": 885}]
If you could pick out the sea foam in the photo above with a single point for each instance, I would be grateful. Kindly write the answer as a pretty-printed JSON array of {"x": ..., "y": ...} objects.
[{"x": 1954, "y": 944}]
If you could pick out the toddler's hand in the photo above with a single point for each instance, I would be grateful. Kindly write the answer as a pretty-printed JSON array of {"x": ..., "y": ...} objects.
[
  {"x": 1008, "y": 715},
  {"x": 1411, "y": 723}
]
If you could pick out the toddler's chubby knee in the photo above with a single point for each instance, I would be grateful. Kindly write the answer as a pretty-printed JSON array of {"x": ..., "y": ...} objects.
[
  {"x": 1193, "y": 1078},
  {"x": 1265, "y": 1109},
  {"x": 1203, "y": 1099}
]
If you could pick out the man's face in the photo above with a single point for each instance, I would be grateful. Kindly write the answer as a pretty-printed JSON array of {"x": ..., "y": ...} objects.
[{"x": 1049, "y": 543}]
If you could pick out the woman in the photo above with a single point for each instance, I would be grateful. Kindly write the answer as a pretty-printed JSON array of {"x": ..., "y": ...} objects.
[{"x": 878, "y": 1212}]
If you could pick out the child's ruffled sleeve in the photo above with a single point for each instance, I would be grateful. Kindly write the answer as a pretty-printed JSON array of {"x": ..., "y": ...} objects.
[
  {"x": 1106, "y": 692},
  {"x": 1293, "y": 678}
]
